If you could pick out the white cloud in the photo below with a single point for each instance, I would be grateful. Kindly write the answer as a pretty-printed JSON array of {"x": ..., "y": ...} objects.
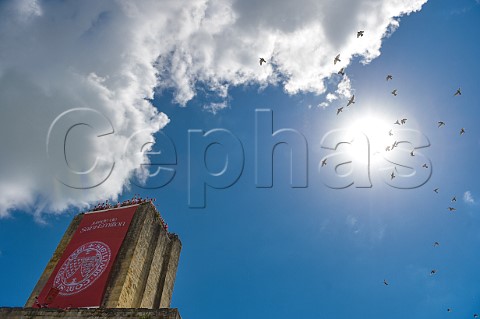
[
  {"x": 330, "y": 97},
  {"x": 324, "y": 105},
  {"x": 468, "y": 198},
  {"x": 58, "y": 56},
  {"x": 344, "y": 88},
  {"x": 110, "y": 56},
  {"x": 215, "y": 107},
  {"x": 222, "y": 41}
]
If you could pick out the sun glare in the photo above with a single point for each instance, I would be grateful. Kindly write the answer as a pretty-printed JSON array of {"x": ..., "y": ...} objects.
[{"x": 373, "y": 132}]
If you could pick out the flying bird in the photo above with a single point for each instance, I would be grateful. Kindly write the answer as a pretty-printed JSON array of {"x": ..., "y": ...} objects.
[
  {"x": 342, "y": 71},
  {"x": 462, "y": 131},
  {"x": 392, "y": 176},
  {"x": 360, "y": 34},
  {"x": 352, "y": 100},
  {"x": 440, "y": 123},
  {"x": 397, "y": 122},
  {"x": 436, "y": 244},
  {"x": 452, "y": 209},
  {"x": 454, "y": 199},
  {"x": 262, "y": 60},
  {"x": 436, "y": 190},
  {"x": 403, "y": 121},
  {"x": 337, "y": 59},
  {"x": 475, "y": 315},
  {"x": 385, "y": 282},
  {"x": 433, "y": 272},
  {"x": 340, "y": 109},
  {"x": 324, "y": 162},
  {"x": 394, "y": 92},
  {"x": 389, "y": 77},
  {"x": 411, "y": 153},
  {"x": 425, "y": 165},
  {"x": 449, "y": 310},
  {"x": 458, "y": 92},
  {"x": 390, "y": 133},
  {"x": 387, "y": 149}
]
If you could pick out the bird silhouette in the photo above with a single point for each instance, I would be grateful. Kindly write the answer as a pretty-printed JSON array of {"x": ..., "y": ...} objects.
[
  {"x": 462, "y": 131},
  {"x": 337, "y": 59},
  {"x": 342, "y": 71},
  {"x": 397, "y": 122},
  {"x": 403, "y": 121},
  {"x": 425, "y": 165},
  {"x": 452, "y": 209},
  {"x": 360, "y": 34},
  {"x": 475, "y": 315},
  {"x": 262, "y": 60},
  {"x": 436, "y": 190},
  {"x": 394, "y": 92},
  {"x": 385, "y": 282},
  {"x": 392, "y": 176},
  {"x": 387, "y": 149},
  {"x": 390, "y": 133},
  {"x": 412, "y": 154},
  {"x": 352, "y": 100},
  {"x": 454, "y": 199},
  {"x": 459, "y": 92},
  {"x": 436, "y": 244},
  {"x": 440, "y": 123},
  {"x": 324, "y": 162},
  {"x": 433, "y": 272},
  {"x": 389, "y": 77},
  {"x": 340, "y": 109}
]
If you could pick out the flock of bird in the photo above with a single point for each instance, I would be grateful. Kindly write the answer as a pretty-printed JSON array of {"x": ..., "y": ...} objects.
[{"x": 402, "y": 121}]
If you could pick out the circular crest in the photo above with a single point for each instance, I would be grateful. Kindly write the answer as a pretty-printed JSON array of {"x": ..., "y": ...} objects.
[{"x": 82, "y": 268}]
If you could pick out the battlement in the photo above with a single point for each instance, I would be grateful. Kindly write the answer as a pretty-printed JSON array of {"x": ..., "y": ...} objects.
[{"x": 118, "y": 313}]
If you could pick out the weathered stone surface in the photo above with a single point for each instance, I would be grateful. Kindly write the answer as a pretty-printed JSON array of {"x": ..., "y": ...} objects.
[
  {"x": 117, "y": 313},
  {"x": 132, "y": 287},
  {"x": 168, "y": 274},
  {"x": 153, "y": 279},
  {"x": 121, "y": 267}
]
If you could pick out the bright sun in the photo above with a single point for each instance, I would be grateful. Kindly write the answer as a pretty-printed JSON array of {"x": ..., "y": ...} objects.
[{"x": 373, "y": 132}]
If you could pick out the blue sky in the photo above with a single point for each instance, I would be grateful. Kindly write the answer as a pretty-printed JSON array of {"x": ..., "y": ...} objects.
[{"x": 317, "y": 252}]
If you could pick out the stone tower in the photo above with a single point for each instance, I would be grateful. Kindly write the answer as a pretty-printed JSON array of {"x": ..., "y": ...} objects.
[{"x": 121, "y": 257}]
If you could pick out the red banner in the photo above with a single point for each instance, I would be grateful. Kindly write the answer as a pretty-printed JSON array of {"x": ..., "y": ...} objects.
[{"x": 80, "y": 277}]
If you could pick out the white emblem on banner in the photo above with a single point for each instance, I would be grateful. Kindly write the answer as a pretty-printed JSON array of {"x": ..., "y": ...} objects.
[{"x": 82, "y": 268}]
